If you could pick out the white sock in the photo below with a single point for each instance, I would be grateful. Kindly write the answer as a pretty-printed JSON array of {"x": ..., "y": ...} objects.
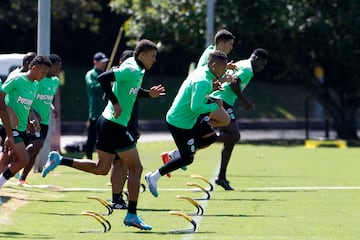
[
  {"x": 156, "y": 175},
  {"x": 2, "y": 180},
  {"x": 174, "y": 154}
]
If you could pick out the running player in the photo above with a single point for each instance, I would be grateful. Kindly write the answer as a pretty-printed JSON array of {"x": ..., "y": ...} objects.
[
  {"x": 20, "y": 93},
  {"x": 229, "y": 135},
  {"x": 223, "y": 41},
  {"x": 188, "y": 131},
  {"x": 118, "y": 173},
  {"x": 42, "y": 105},
  {"x": 113, "y": 136}
]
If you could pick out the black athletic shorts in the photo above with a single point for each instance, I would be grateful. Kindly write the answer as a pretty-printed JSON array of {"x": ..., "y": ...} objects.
[
  {"x": 185, "y": 139},
  {"x": 230, "y": 110},
  {"x": 113, "y": 137},
  {"x": 43, "y": 133},
  {"x": 20, "y": 136}
]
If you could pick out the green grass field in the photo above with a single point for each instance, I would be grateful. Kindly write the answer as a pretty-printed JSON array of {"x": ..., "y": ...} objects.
[{"x": 280, "y": 193}]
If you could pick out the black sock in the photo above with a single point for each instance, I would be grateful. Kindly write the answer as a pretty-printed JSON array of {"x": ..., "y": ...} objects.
[
  {"x": 7, "y": 174},
  {"x": 132, "y": 207},
  {"x": 67, "y": 161},
  {"x": 222, "y": 173},
  {"x": 116, "y": 197}
]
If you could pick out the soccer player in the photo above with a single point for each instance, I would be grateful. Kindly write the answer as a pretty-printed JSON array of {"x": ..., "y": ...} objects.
[
  {"x": 42, "y": 105},
  {"x": 96, "y": 101},
  {"x": 113, "y": 136},
  {"x": 188, "y": 131},
  {"x": 20, "y": 93},
  {"x": 223, "y": 41},
  {"x": 229, "y": 135},
  {"x": 118, "y": 173}
]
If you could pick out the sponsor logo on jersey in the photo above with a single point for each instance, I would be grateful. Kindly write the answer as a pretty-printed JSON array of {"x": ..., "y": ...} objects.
[
  {"x": 24, "y": 101},
  {"x": 134, "y": 91},
  {"x": 44, "y": 97}
]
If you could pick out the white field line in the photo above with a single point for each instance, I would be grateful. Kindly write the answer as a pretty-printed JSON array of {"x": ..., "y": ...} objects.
[
  {"x": 303, "y": 188},
  {"x": 79, "y": 189},
  {"x": 297, "y": 188}
]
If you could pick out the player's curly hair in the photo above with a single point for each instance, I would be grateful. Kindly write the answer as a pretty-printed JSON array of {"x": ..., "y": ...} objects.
[
  {"x": 143, "y": 46},
  {"x": 40, "y": 60}
]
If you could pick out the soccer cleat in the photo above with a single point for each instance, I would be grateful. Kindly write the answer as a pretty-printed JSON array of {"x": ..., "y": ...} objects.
[
  {"x": 133, "y": 220},
  {"x": 119, "y": 204},
  {"x": 165, "y": 158},
  {"x": 54, "y": 159},
  {"x": 23, "y": 183},
  {"x": 152, "y": 185},
  {"x": 224, "y": 183}
]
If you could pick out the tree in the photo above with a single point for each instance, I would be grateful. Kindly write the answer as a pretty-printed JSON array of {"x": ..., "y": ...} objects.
[{"x": 300, "y": 34}]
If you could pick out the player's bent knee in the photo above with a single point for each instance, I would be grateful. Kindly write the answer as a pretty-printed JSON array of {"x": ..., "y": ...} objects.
[{"x": 206, "y": 141}]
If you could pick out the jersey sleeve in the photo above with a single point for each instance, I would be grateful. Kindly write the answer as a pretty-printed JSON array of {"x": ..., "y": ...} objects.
[
  {"x": 126, "y": 74},
  {"x": 9, "y": 85}
]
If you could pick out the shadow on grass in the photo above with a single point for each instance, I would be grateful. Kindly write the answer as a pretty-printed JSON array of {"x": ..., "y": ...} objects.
[
  {"x": 17, "y": 235},
  {"x": 154, "y": 210},
  {"x": 241, "y": 215},
  {"x": 248, "y": 199}
]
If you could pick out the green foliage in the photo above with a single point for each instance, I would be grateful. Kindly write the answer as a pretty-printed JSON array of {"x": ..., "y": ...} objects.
[
  {"x": 168, "y": 22},
  {"x": 298, "y": 34}
]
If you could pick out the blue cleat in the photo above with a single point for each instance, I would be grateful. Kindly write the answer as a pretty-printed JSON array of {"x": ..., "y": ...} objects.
[
  {"x": 152, "y": 185},
  {"x": 133, "y": 220},
  {"x": 54, "y": 159}
]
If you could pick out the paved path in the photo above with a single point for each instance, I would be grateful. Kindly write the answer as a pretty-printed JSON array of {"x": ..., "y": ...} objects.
[{"x": 245, "y": 135}]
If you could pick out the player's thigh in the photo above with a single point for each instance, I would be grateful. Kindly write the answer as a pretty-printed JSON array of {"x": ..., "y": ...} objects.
[
  {"x": 220, "y": 116},
  {"x": 105, "y": 160},
  {"x": 130, "y": 158}
]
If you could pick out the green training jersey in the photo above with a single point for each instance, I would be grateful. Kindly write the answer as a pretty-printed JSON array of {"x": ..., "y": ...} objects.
[
  {"x": 192, "y": 99},
  {"x": 95, "y": 94},
  {"x": 203, "y": 61},
  {"x": 44, "y": 97},
  {"x": 128, "y": 80},
  {"x": 20, "y": 93},
  {"x": 244, "y": 72}
]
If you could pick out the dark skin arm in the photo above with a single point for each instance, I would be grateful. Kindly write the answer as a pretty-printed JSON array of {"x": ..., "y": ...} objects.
[
  {"x": 105, "y": 80},
  {"x": 9, "y": 141},
  {"x": 235, "y": 87}
]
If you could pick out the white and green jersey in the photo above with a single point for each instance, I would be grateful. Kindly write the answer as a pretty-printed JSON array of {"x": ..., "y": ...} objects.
[
  {"x": 44, "y": 97},
  {"x": 204, "y": 59},
  {"x": 244, "y": 72},
  {"x": 20, "y": 93},
  {"x": 128, "y": 80},
  {"x": 192, "y": 99}
]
